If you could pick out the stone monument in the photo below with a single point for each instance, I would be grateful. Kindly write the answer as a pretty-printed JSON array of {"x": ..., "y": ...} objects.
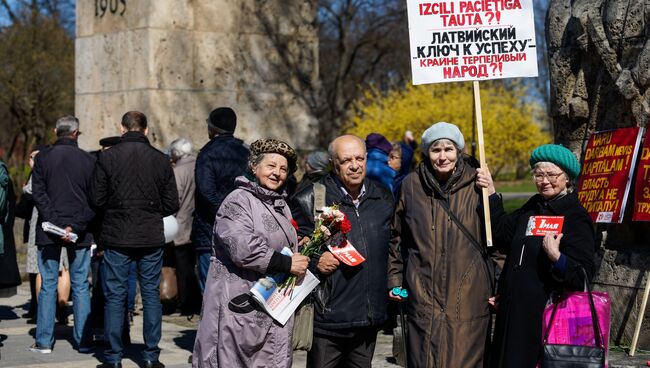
[
  {"x": 176, "y": 60},
  {"x": 599, "y": 59}
]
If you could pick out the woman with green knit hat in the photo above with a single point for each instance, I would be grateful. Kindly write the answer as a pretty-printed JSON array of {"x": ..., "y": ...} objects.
[{"x": 536, "y": 266}]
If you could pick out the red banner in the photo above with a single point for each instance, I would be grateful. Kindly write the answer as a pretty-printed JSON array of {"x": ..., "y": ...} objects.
[
  {"x": 642, "y": 185},
  {"x": 606, "y": 172}
]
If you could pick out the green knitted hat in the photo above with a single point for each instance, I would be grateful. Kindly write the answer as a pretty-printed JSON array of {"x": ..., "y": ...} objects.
[{"x": 559, "y": 155}]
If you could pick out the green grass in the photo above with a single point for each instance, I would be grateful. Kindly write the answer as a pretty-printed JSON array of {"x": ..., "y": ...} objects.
[
  {"x": 519, "y": 186},
  {"x": 512, "y": 204}
]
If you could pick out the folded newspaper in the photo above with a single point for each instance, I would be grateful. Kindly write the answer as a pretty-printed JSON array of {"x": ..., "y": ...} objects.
[
  {"x": 281, "y": 304},
  {"x": 48, "y": 227}
]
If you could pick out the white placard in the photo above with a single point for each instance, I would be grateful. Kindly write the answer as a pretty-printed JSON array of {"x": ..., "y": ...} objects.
[{"x": 462, "y": 40}]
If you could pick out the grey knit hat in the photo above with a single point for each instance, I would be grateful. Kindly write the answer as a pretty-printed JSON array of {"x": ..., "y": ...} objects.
[{"x": 441, "y": 130}]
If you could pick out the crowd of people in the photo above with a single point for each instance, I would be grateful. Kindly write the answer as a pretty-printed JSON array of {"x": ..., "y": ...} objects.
[{"x": 416, "y": 220}]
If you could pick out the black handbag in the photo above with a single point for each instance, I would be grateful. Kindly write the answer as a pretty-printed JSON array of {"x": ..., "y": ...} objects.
[{"x": 575, "y": 356}]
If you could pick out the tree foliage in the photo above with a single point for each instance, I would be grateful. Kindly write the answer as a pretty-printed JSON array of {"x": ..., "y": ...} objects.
[
  {"x": 36, "y": 77},
  {"x": 510, "y": 125}
]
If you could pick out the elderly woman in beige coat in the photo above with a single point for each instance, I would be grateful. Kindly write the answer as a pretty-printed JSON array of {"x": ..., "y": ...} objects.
[{"x": 438, "y": 254}]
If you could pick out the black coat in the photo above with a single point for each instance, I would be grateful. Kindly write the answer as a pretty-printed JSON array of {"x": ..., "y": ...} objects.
[
  {"x": 218, "y": 163},
  {"x": 10, "y": 276},
  {"x": 528, "y": 277},
  {"x": 24, "y": 209},
  {"x": 60, "y": 186},
  {"x": 352, "y": 296},
  {"x": 134, "y": 188}
]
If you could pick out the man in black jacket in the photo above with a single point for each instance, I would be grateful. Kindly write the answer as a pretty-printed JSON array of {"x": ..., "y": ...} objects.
[
  {"x": 218, "y": 163},
  {"x": 60, "y": 184},
  {"x": 351, "y": 301},
  {"x": 133, "y": 186}
]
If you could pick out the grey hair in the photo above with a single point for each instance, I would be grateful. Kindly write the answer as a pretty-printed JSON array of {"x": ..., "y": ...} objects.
[
  {"x": 66, "y": 125},
  {"x": 443, "y": 140},
  {"x": 254, "y": 160},
  {"x": 396, "y": 147},
  {"x": 570, "y": 184},
  {"x": 180, "y": 148}
]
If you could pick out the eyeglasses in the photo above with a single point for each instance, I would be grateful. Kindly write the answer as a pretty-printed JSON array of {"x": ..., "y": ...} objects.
[{"x": 552, "y": 177}]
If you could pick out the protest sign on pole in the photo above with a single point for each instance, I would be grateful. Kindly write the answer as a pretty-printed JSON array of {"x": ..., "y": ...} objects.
[
  {"x": 606, "y": 173},
  {"x": 472, "y": 40},
  {"x": 481, "y": 150},
  {"x": 641, "y": 210},
  {"x": 469, "y": 40}
]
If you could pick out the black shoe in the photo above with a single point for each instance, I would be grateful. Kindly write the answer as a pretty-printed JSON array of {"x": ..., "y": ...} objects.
[
  {"x": 150, "y": 364},
  {"x": 28, "y": 315},
  {"x": 110, "y": 365}
]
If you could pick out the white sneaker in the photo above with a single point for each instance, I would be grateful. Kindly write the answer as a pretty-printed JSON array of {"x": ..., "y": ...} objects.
[{"x": 39, "y": 349}]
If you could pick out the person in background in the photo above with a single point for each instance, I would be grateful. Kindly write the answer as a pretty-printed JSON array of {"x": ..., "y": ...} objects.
[
  {"x": 537, "y": 266},
  {"x": 315, "y": 166},
  {"x": 253, "y": 225},
  {"x": 408, "y": 145},
  {"x": 60, "y": 186},
  {"x": 406, "y": 151},
  {"x": 10, "y": 276},
  {"x": 26, "y": 210},
  {"x": 133, "y": 186},
  {"x": 98, "y": 300},
  {"x": 218, "y": 163},
  {"x": 189, "y": 294},
  {"x": 350, "y": 306},
  {"x": 395, "y": 163},
  {"x": 377, "y": 168},
  {"x": 438, "y": 254}
]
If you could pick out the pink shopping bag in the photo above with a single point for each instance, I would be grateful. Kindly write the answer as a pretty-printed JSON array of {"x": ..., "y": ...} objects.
[{"x": 572, "y": 324}]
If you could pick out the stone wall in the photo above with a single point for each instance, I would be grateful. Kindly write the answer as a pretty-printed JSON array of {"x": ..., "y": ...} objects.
[
  {"x": 599, "y": 61},
  {"x": 176, "y": 60}
]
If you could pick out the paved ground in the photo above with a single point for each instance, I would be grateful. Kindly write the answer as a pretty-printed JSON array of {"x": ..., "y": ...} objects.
[
  {"x": 16, "y": 335},
  {"x": 177, "y": 340}
]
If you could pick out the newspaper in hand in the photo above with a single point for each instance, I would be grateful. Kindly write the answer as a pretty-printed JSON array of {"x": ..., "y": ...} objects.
[
  {"x": 278, "y": 303},
  {"x": 48, "y": 227}
]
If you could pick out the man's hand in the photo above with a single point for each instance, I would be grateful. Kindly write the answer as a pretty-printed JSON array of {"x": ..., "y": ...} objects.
[
  {"x": 299, "y": 264},
  {"x": 66, "y": 238},
  {"x": 327, "y": 263}
]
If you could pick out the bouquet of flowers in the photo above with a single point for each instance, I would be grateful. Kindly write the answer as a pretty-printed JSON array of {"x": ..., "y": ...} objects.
[{"x": 330, "y": 222}]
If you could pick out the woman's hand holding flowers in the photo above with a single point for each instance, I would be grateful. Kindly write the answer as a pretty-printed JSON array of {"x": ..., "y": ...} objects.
[{"x": 299, "y": 264}]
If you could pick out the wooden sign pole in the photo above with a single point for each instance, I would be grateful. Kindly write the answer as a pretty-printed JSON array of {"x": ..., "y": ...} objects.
[
  {"x": 637, "y": 330},
  {"x": 481, "y": 150}
]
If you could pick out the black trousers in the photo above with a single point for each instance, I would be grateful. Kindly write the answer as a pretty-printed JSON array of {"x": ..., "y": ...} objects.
[
  {"x": 353, "y": 351},
  {"x": 189, "y": 293}
]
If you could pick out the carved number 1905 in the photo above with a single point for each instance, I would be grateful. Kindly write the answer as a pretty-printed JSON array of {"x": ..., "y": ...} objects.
[{"x": 113, "y": 6}]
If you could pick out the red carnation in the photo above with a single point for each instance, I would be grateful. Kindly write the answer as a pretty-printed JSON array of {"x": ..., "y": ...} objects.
[
  {"x": 295, "y": 224},
  {"x": 345, "y": 225}
]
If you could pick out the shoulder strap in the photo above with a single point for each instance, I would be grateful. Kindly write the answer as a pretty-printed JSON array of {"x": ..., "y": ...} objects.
[
  {"x": 463, "y": 229},
  {"x": 482, "y": 251},
  {"x": 319, "y": 198}
]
